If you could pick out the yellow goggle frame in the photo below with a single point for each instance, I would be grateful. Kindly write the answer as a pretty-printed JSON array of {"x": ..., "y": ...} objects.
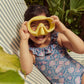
[{"x": 43, "y": 31}]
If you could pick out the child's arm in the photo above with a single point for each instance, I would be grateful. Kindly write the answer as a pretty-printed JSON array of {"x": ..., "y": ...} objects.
[
  {"x": 67, "y": 38},
  {"x": 72, "y": 41},
  {"x": 26, "y": 58}
]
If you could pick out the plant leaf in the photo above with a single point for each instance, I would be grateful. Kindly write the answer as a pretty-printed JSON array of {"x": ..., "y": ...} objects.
[
  {"x": 8, "y": 62},
  {"x": 76, "y": 4},
  {"x": 10, "y": 77}
]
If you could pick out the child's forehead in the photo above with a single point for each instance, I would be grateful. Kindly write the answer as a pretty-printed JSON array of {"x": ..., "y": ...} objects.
[{"x": 40, "y": 21}]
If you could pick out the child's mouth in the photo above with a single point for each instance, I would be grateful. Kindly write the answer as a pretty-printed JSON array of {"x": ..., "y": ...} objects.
[{"x": 40, "y": 37}]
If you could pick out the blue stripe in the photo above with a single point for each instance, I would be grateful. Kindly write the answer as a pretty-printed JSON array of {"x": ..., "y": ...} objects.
[
  {"x": 8, "y": 42},
  {"x": 5, "y": 47},
  {"x": 11, "y": 35},
  {"x": 7, "y": 19},
  {"x": 8, "y": 12},
  {"x": 8, "y": 49},
  {"x": 14, "y": 13},
  {"x": 19, "y": 6},
  {"x": 41, "y": 78},
  {"x": 35, "y": 77},
  {"x": 19, "y": 25},
  {"x": 14, "y": 8},
  {"x": 6, "y": 34},
  {"x": 14, "y": 19},
  {"x": 9, "y": 27},
  {"x": 27, "y": 81},
  {"x": 32, "y": 79}
]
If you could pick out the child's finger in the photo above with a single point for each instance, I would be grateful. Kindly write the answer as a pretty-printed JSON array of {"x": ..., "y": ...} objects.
[
  {"x": 55, "y": 17},
  {"x": 22, "y": 35},
  {"x": 25, "y": 23},
  {"x": 25, "y": 29},
  {"x": 55, "y": 21}
]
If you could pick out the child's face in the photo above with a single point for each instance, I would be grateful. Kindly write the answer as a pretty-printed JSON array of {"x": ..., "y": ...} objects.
[{"x": 39, "y": 39}]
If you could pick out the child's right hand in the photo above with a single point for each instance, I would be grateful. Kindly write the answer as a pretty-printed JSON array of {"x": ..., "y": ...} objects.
[{"x": 23, "y": 32}]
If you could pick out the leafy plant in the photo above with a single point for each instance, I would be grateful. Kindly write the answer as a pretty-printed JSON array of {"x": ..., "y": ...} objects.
[
  {"x": 33, "y": 2},
  {"x": 9, "y": 66},
  {"x": 8, "y": 62},
  {"x": 77, "y": 6},
  {"x": 10, "y": 77},
  {"x": 69, "y": 12}
]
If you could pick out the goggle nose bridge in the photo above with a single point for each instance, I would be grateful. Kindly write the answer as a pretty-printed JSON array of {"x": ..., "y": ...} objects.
[
  {"x": 41, "y": 29},
  {"x": 41, "y": 25}
]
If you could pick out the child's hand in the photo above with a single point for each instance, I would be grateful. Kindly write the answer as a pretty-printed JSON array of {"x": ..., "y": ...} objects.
[
  {"x": 23, "y": 32},
  {"x": 59, "y": 26}
]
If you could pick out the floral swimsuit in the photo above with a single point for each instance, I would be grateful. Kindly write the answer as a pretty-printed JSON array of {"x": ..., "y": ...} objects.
[{"x": 56, "y": 64}]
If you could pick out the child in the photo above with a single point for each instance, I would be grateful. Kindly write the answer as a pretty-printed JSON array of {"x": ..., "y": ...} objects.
[{"x": 48, "y": 52}]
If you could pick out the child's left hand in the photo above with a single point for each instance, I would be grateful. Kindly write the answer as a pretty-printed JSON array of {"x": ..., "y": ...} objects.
[{"x": 59, "y": 26}]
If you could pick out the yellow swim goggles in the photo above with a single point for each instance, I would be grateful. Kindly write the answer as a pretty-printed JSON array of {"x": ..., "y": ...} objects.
[{"x": 41, "y": 28}]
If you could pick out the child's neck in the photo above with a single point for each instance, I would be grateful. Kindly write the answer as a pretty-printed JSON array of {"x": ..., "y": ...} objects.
[{"x": 45, "y": 44}]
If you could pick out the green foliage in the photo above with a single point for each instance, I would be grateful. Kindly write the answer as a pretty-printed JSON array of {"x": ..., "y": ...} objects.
[
  {"x": 8, "y": 62},
  {"x": 55, "y": 7},
  {"x": 9, "y": 66},
  {"x": 69, "y": 12},
  {"x": 33, "y": 2},
  {"x": 77, "y": 5},
  {"x": 10, "y": 77}
]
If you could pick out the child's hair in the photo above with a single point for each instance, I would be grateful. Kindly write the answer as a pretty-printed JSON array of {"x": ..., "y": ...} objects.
[{"x": 35, "y": 10}]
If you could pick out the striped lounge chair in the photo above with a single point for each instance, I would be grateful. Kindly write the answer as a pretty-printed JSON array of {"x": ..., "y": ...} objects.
[{"x": 11, "y": 18}]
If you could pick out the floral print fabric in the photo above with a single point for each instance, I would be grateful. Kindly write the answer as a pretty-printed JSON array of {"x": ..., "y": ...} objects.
[{"x": 56, "y": 64}]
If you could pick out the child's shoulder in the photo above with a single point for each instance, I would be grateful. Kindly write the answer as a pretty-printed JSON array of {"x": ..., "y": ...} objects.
[{"x": 57, "y": 36}]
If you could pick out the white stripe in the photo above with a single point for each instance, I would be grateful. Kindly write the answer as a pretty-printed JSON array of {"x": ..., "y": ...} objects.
[
  {"x": 16, "y": 31},
  {"x": 9, "y": 19},
  {"x": 8, "y": 39},
  {"x": 9, "y": 32},
  {"x": 14, "y": 20},
  {"x": 39, "y": 75},
  {"x": 19, "y": 7},
  {"x": 15, "y": 11},
  {"x": 14, "y": 27},
  {"x": 34, "y": 77},
  {"x": 10, "y": 47},
  {"x": 26, "y": 80},
  {"x": 6, "y": 48}
]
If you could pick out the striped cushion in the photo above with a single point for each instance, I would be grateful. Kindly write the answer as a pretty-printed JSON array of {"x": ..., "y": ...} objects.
[
  {"x": 12, "y": 12},
  {"x": 11, "y": 18}
]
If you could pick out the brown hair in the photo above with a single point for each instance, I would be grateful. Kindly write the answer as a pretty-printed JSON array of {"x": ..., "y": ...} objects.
[{"x": 35, "y": 10}]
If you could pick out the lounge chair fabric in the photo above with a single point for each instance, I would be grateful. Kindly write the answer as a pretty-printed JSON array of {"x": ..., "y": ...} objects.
[{"x": 11, "y": 18}]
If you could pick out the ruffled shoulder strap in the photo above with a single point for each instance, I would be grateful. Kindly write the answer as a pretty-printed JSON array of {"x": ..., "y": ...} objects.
[{"x": 41, "y": 51}]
